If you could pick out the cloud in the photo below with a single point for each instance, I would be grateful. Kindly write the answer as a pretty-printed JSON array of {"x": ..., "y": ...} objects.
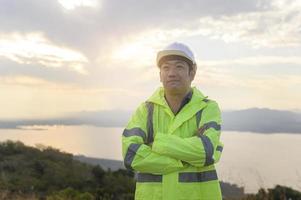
[
  {"x": 114, "y": 43},
  {"x": 279, "y": 26},
  {"x": 93, "y": 29},
  {"x": 113, "y": 32},
  {"x": 255, "y": 72},
  {"x": 252, "y": 61},
  {"x": 140, "y": 49},
  {"x": 241, "y": 86},
  {"x": 34, "y": 48},
  {"x": 72, "y": 4}
]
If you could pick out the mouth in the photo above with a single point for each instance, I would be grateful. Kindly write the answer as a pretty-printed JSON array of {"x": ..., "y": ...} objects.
[{"x": 172, "y": 81}]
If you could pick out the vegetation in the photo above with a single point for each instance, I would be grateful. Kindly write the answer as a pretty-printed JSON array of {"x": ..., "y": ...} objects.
[
  {"x": 46, "y": 173},
  {"x": 276, "y": 193}
]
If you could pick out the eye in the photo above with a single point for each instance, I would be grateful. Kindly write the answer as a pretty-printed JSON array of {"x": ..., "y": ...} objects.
[
  {"x": 180, "y": 66},
  {"x": 164, "y": 67}
]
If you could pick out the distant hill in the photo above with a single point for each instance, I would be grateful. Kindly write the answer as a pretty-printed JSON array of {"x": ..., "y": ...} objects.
[
  {"x": 260, "y": 120},
  {"x": 104, "y": 163}
]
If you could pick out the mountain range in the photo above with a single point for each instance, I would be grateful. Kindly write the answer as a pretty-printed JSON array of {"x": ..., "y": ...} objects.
[{"x": 259, "y": 120}]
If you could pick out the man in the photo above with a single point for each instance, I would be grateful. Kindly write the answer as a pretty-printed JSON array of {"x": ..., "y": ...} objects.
[{"x": 173, "y": 139}]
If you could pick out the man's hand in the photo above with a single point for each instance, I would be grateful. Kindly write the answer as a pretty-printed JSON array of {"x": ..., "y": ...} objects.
[{"x": 201, "y": 130}]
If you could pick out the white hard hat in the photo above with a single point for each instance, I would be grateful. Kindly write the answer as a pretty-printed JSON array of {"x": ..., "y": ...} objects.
[{"x": 175, "y": 50}]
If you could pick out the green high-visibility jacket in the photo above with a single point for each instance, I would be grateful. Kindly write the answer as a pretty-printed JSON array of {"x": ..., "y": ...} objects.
[{"x": 172, "y": 161}]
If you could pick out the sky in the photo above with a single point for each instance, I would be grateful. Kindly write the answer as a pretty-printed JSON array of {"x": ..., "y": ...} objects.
[{"x": 67, "y": 56}]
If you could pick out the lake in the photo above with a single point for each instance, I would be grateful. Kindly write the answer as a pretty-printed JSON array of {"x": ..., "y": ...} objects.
[{"x": 251, "y": 160}]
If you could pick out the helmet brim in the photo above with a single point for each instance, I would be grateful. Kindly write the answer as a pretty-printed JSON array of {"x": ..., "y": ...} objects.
[{"x": 173, "y": 53}]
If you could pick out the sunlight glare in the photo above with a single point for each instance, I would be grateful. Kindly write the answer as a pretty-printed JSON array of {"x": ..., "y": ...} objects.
[{"x": 141, "y": 50}]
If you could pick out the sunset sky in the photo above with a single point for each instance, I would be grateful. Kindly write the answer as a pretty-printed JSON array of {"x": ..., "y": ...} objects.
[{"x": 65, "y": 56}]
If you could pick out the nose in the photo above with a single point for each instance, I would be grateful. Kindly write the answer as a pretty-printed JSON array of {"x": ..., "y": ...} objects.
[{"x": 172, "y": 72}]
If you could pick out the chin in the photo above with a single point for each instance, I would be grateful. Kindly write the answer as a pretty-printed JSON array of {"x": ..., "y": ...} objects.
[{"x": 174, "y": 90}]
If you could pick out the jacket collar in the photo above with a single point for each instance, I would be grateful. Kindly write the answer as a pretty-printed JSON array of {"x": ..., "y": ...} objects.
[
  {"x": 190, "y": 109},
  {"x": 158, "y": 97}
]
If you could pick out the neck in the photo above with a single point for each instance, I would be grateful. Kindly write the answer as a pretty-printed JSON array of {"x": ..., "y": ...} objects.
[{"x": 174, "y": 100}]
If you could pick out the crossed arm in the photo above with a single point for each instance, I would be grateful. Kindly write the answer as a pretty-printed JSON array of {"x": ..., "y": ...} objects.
[{"x": 169, "y": 151}]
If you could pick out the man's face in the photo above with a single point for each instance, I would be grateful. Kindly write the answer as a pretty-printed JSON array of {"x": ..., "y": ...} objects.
[{"x": 176, "y": 76}]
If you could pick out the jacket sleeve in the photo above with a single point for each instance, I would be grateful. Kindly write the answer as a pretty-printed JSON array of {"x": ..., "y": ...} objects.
[
  {"x": 139, "y": 156},
  {"x": 200, "y": 150}
]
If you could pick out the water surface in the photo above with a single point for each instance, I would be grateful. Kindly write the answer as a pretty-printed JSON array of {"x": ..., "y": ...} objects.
[{"x": 251, "y": 160}]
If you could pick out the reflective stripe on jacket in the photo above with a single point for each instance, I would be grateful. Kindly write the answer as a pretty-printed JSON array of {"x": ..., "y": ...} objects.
[{"x": 173, "y": 162}]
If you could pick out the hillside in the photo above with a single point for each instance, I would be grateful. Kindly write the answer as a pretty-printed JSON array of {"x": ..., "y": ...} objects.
[
  {"x": 47, "y": 173},
  {"x": 106, "y": 164}
]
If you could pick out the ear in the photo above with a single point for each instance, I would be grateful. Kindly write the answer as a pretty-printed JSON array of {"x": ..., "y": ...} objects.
[
  {"x": 193, "y": 72},
  {"x": 160, "y": 76}
]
